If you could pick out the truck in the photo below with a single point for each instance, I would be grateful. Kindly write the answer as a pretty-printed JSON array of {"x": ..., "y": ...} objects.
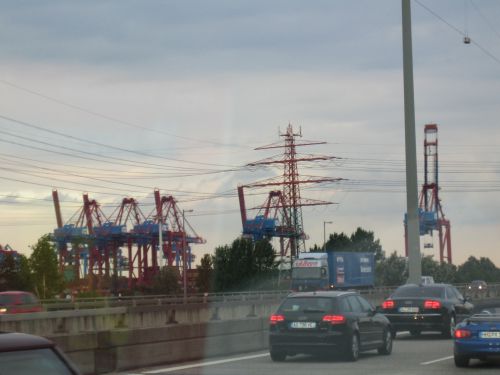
[{"x": 333, "y": 270}]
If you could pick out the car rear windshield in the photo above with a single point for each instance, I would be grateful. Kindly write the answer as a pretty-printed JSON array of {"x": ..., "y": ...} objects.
[
  {"x": 307, "y": 304},
  {"x": 7, "y": 299},
  {"x": 419, "y": 291},
  {"x": 37, "y": 361}
]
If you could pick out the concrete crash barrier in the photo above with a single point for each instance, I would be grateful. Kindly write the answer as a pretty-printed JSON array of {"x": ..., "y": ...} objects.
[
  {"x": 52, "y": 323},
  {"x": 60, "y": 322},
  {"x": 126, "y": 349}
]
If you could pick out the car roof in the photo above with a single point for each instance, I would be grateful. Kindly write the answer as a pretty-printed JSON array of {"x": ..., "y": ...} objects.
[
  {"x": 321, "y": 293},
  {"x": 11, "y": 341},
  {"x": 483, "y": 318},
  {"x": 441, "y": 285},
  {"x": 14, "y": 292}
]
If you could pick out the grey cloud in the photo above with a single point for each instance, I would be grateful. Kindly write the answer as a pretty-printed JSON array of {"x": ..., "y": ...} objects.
[{"x": 202, "y": 35}]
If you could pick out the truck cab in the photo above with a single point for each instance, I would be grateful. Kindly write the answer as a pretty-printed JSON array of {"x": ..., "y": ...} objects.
[{"x": 310, "y": 272}]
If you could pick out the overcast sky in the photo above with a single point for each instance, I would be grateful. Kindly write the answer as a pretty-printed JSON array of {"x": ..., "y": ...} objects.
[{"x": 197, "y": 85}]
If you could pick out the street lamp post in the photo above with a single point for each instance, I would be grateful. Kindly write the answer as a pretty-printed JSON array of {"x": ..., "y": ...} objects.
[
  {"x": 324, "y": 233},
  {"x": 184, "y": 262},
  {"x": 414, "y": 261}
]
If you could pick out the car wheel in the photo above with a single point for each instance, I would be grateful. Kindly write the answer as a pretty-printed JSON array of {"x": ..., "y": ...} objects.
[
  {"x": 277, "y": 355},
  {"x": 352, "y": 353},
  {"x": 449, "y": 329},
  {"x": 461, "y": 360},
  {"x": 386, "y": 347},
  {"x": 415, "y": 332},
  {"x": 394, "y": 333}
]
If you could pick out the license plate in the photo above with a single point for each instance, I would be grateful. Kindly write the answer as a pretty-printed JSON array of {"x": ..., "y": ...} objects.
[
  {"x": 405, "y": 309},
  {"x": 489, "y": 335},
  {"x": 303, "y": 325}
]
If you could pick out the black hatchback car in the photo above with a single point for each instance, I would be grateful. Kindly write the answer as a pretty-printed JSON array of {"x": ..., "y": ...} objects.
[
  {"x": 331, "y": 322},
  {"x": 22, "y": 354},
  {"x": 434, "y": 307}
]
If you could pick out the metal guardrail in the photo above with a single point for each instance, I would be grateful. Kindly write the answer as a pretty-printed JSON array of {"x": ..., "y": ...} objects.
[
  {"x": 492, "y": 291},
  {"x": 158, "y": 300}
]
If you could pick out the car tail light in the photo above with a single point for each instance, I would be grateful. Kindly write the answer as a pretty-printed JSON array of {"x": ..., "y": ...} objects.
[
  {"x": 462, "y": 333},
  {"x": 388, "y": 304},
  {"x": 334, "y": 319},
  {"x": 276, "y": 318},
  {"x": 431, "y": 304}
]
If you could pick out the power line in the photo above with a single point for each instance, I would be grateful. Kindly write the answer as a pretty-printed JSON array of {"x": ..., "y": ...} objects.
[
  {"x": 485, "y": 51},
  {"x": 58, "y": 187},
  {"x": 14, "y": 162},
  {"x": 33, "y": 126},
  {"x": 485, "y": 18},
  {"x": 110, "y": 118},
  {"x": 127, "y": 162}
]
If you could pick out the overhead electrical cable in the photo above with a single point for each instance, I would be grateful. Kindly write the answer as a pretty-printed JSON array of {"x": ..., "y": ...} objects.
[
  {"x": 127, "y": 162},
  {"x": 26, "y": 124},
  {"x": 113, "y": 119},
  {"x": 472, "y": 41},
  {"x": 488, "y": 22}
]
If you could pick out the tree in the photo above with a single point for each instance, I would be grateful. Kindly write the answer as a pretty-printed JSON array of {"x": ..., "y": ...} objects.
[
  {"x": 166, "y": 281},
  {"x": 446, "y": 273},
  {"x": 478, "y": 269},
  {"x": 441, "y": 272},
  {"x": 223, "y": 273},
  {"x": 391, "y": 271},
  {"x": 338, "y": 242},
  {"x": 48, "y": 281},
  {"x": 15, "y": 273},
  {"x": 243, "y": 265},
  {"x": 204, "y": 281},
  {"x": 359, "y": 241},
  {"x": 429, "y": 266},
  {"x": 364, "y": 241},
  {"x": 264, "y": 256},
  {"x": 25, "y": 280}
]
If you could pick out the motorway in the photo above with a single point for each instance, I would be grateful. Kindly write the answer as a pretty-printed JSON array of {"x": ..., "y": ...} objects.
[{"x": 427, "y": 354}]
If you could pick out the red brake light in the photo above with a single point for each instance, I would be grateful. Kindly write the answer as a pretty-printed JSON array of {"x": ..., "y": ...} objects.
[
  {"x": 388, "y": 304},
  {"x": 462, "y": 333},
  {"x": 334, "y": 319},
  {"x": 276, "y": 318},
  {"x": 431, "y": 304}
]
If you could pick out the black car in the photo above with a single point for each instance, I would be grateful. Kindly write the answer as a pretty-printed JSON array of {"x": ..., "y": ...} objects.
[
  {"x": 434, "y": 307},
  {"x": 22, "y": 354},
  {"x": 331, "y": 322},
  {"x": 477, "y": 287}
]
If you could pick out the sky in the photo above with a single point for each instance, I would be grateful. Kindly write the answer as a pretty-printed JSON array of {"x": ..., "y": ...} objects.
[{"x": 117, "y": 98}]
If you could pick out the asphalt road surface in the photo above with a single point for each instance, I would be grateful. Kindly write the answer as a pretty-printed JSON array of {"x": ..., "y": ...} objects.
[{"x": 427, "y": 354}]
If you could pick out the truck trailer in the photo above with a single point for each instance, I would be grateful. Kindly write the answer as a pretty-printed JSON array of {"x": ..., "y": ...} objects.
[{"x": 333, "y": 270}]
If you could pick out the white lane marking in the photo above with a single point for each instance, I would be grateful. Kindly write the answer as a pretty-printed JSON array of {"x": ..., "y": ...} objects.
[
  {"x": 437, "y": 360},
  {"x": 202, "y": 364}
]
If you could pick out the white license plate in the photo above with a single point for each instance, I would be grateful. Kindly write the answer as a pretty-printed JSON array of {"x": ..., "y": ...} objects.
[
  {"x": 489, "y": 335},
  {"x": 306, "y": 325},
  {"x": 408, "y": 309}
]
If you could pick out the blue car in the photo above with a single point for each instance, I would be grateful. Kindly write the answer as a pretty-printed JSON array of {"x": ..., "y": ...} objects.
[{"x": 478, "y": 337}]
